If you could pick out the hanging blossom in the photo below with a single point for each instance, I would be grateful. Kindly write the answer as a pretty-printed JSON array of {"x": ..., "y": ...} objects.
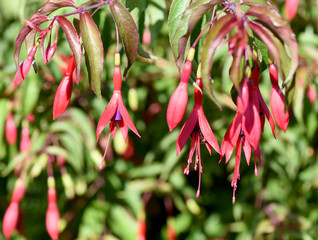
[
  {"x": 179, "y": 99},
  {"x": 197, "y": 127},
  {"x": 115, "y": 112}
]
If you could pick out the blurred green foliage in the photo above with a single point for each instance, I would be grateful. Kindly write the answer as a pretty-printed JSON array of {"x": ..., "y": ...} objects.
[{"x": 280, "y": 203}]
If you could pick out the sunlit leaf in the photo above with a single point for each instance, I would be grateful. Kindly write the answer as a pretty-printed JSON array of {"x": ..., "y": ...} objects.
[
  {"x": 128, "y": 31},
  {"x": 94, "y": 52}
]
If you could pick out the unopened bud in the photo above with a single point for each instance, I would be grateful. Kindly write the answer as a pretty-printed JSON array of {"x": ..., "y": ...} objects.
[
  {"x": 68, "y": 185},
  {"x": 133, "y": 99},
  {"x": 11, "y": 130},
  {"x": 10, "y": 219}
]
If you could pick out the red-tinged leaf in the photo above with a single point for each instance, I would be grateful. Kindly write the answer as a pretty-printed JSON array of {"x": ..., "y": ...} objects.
[
  {"x": 128, "y": 32},
  {"x": 213, "y": 40},
  {"x": 74, "y": 42},
  {"x": 94, "y": 52},
  {"x": 231, "y": 136},
  {"x": 270, "y": 18},
  {"x": 51, "y": 6},
  {"x": 10, "y": 219},
  {"x": 22, "y": 35},
  {"x": 291, "y": 7},
  {"x": 235, "y": 69},
  {"x": 44, "y": 53},
  {"x": 63, "y": 96},
  {"x": 186, "y": 25},
  {"x": 177, "y": 105},
  {"x": 277, "y": 103},
  {"x": 187, "y": 129},
  {"x": 207, "y": 131},
  {"x": 267, "y": 38}
]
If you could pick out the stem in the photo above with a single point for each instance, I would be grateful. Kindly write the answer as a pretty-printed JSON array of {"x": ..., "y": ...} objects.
[
  {"x": 117, "y": 37},
  {"x": 209, "y": 24},
  {"x": 80, "y": 10}
]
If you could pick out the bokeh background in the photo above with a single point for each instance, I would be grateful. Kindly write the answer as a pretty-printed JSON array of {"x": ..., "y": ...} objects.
[{"x": 144, "y": 180}]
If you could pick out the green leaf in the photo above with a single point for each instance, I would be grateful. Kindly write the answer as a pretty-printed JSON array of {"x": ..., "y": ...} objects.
[
  {"x": 74, "y": 42},
  {"x": 94, "y": 52},
  {"x": 213, "y": 40},
  {"x": 176, "y": 10},
  {"x": 3, "y": 117},
  {"x": 270, "y": 18},
  {"x": 128, "y": 32},
  {"x": 187, "y": 23}
]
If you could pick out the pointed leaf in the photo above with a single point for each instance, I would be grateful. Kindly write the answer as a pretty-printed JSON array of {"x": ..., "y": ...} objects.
[
  {"x": 271, "y": 19},
  {"x": 213, "y": 40},
  {"x": 94, "y": 52},
  {"x": 187, "y": 24},
  {"x": 128, "y": 31},
  {"x": 74, "y": 42}
]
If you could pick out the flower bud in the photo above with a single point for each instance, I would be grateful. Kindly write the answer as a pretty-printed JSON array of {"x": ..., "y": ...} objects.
[
  {"x": 11, "y": 130},
  {"x": 311, "y": 94},
  {"x": 25, "y": 143},
  {"x": 25, "y": 67},
  {"x": 63, "y": 96},
  {"x": 10, "y": 219},
  {"x": 60, "y": 161},
  {"x": 146, "y": 37},
  {"x": 141, "y": 230},
  {"x": 133, "y": 99},
  {"x": 18, "y": 191},
  {"x": 291, "y": 9},
  {"x": 52, "y": 215}
]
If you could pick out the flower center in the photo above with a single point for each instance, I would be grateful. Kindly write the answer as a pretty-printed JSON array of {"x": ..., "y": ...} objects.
[{"x": 117, "y": 115}]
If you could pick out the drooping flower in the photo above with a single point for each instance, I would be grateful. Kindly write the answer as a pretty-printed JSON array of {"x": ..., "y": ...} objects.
[
  {"x": 115, "y": 112},
  {"x": 264, "y": 111},
  {"x": 179, "y": 99},
  {"x": 235, "y": 136},
  {"x": 25, "y": 66},
  {"x": 64, "y": 91},
  {"x": 197, "y": 127},
  {"x": 281, "y": 116}
]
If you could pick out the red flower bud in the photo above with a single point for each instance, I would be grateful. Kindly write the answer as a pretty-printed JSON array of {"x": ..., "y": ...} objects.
[
  {"x": 291, "y": 9},
  {"x": 311, "y": 94},
  {"x": 52, "y": 215},
  {"x": 146, "y": 37},
  {"x": 18, "y": 192},
  {"x": 25, "y": 67},
  {"x": 25, "y": 143},
  {"x": 10, "y": 219},
  {"x": 63, "y": 96},
  {"x": 179, "y": 99},
  {"x": 60, "y": 161},
  {"x": 11, "y": 130}
]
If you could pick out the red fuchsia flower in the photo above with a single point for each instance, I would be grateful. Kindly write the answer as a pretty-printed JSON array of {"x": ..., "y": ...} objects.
[
  {"x": 115, "y": 112},
  {"x": 235, "y": 135},
  {"x": 277, "y": 102},
  {"x": 64, "y": 91},
  {"x": 25, "y": 66},
  {"x": 291, "y": 9},
  {"x": 197, "y": 127},
  {"x": 264, "y": 111},
  {"x": 179, "y": 99},
  {"x": 11, "y": 215},
  {"x": 11, "y": 130},
  {"x": 141, "y": 230},
  {"x": 52, "y": 215}
]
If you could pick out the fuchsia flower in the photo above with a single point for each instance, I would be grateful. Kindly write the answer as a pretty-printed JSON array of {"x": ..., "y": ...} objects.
[
  {"x": 235, "y": 135},
  {"x": 52, "y": 215},
  {"x": 179, "y": 99},
  {"x": 197, "y": 127},
  {"x": 277, "y": 102},
  {"x": 115, "y": 113}
]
